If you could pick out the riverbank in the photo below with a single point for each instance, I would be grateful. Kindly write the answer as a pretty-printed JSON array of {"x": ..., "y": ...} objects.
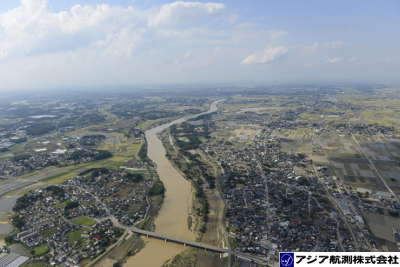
[
  {"x": 209, "y": 227},
  {"x": 172, "y": 219}
]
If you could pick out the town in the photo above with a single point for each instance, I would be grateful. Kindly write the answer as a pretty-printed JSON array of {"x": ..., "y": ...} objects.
[
  {"x": 268, "y": 171},
  {"x": 75, "y": 221}
]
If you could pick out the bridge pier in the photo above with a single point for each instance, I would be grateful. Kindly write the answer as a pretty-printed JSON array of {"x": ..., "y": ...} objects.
[{"x": 235, "y": 256}]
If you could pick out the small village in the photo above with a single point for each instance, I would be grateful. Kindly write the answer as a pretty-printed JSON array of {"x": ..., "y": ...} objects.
[
  {"x": 71, "y": 151},
  {"x": 77, "y": 220}
]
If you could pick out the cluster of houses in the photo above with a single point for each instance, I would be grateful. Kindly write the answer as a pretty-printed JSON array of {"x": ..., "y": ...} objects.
[
  {"x": 122, "y": 194},
  {"x": 8, "y": 138},
  {"x": 71, "y": 150},
  {"x": 361, "y": 128},
  {"x": 46, "y": 227},
  {"x": 276, "y": 202},
  {"x": 21, "y": 117},
  {"x": 25, "y": 163},
  {"x": 72, "y": 221}
]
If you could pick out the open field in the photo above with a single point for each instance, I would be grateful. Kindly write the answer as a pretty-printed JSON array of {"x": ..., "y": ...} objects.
[
  {"x": 351, "y": 165},
  {"x": 148, "y": 124},
  {"x": 40, "y": 250},
  {"x": 130, "y": 245},
  {"x": 245, "y": 133},
  {"x": 75, "y": 236},
  {"x": 382, "y": 227},
  {"x": 85, "y": 221}
]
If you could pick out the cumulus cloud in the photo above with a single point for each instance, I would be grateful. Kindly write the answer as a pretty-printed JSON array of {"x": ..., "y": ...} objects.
[
  {"x": 108, "y": 44},
  {"x": 32, "y": 29},
  {"x": 267, "y": 55},
  {"x": 178, "y": 12},
  {"x": 34, "y": 5}
]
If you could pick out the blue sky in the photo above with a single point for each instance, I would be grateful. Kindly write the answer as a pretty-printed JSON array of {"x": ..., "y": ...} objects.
[{"x": 62, "y": 43}]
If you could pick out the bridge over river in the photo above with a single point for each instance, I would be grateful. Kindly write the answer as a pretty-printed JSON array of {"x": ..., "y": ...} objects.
[{"x": 198, "y": 245}]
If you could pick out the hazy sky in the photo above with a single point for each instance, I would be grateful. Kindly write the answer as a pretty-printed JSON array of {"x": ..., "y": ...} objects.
[{"x": 72, "y": 43}]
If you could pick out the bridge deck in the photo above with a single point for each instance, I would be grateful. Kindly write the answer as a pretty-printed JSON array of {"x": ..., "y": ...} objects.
[
  {"x": 198, "y": 245},
  {"x": 183, "y": 242}
]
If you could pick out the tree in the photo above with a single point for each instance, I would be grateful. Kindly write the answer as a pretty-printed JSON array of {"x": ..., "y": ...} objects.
[
  {"x": 134, "y": 177},
  {"x": 9, "y": 239},
  {"x": 157, "y": 189},
  {"x": 72, "y": 205}
]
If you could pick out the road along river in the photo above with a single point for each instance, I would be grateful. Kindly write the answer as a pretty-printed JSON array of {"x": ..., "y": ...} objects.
[{"x": 172, "y": 219}]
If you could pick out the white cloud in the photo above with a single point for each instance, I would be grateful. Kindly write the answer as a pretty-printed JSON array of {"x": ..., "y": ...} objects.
[
  {"x": 106, "y": 44},
  {"x": 34, "y": 5},
  {"x": 178, "y": 12},
  {"x": 334, "y": 60},
  {"x": 267, "y": 55},
  {"x": 32, "y": 29},
  {"x": 109, "y": 44},
  {"x": 324, "y": 45}
]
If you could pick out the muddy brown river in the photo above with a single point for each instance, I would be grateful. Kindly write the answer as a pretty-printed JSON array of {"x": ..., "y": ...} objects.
[{"x": 172, "y": 219}]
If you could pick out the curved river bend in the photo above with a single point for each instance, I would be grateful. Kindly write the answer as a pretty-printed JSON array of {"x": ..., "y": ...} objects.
[{"x": 172, "y": 219}]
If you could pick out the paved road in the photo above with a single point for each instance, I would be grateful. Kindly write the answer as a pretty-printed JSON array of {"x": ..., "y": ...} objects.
[
  {"x": 11, "y": 186},
  {"x": 198, "y": 245}
]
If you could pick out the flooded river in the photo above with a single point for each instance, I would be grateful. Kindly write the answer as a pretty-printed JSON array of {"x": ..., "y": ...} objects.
[{"x": 172, "y": 219}]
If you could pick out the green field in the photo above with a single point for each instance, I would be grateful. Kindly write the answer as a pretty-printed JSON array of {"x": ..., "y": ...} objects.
[
  {"x": 83, "y": 220},
  {"x": 40, "y": 250},
  {"x": 75, "y": 236},
  {"x": 36, "y": 264},
  {"x": 147, "y": 124}
]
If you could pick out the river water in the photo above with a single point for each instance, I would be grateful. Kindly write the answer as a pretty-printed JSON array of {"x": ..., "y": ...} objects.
[{"x": 172, "y": 219}]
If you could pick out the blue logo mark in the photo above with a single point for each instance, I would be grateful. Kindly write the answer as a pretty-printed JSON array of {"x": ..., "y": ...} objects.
[{"x": 286, "y": 259}]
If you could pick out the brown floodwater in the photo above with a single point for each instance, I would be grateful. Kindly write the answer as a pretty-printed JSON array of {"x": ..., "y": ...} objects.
[{"x": 172, "y": 219}]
